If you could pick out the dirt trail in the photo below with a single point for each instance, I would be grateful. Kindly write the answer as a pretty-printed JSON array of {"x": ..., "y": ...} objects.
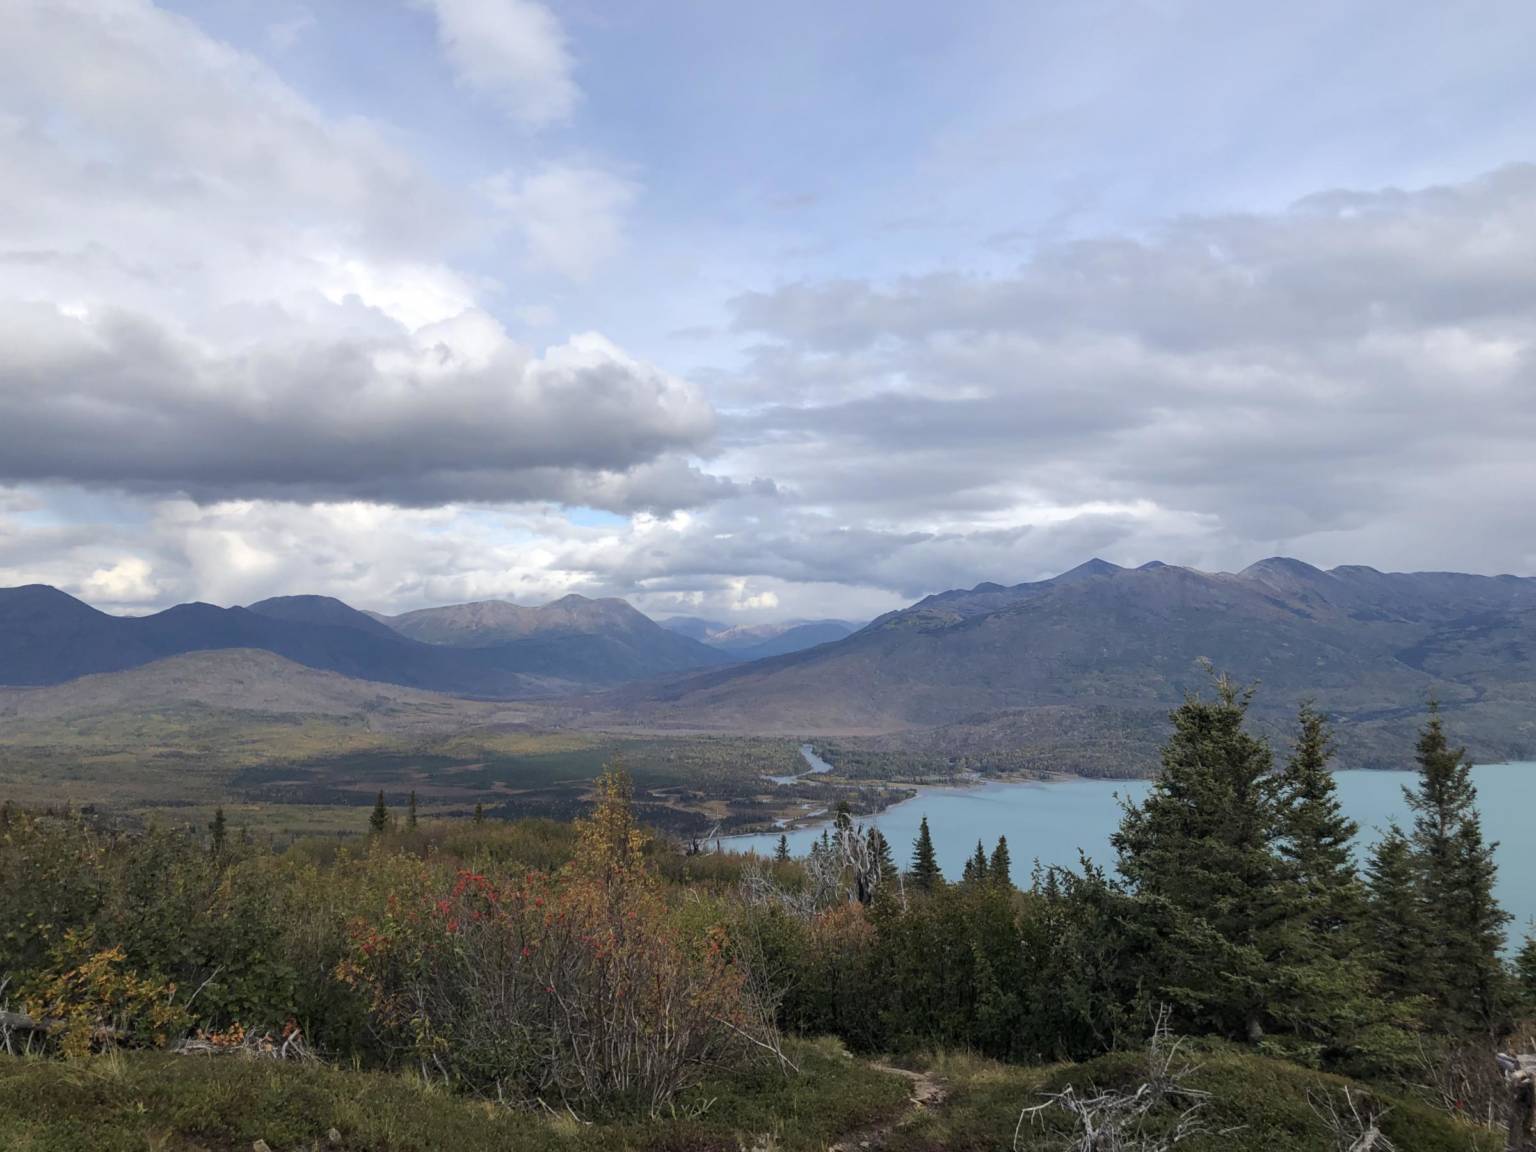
[{"x": 928, "y": 1092}]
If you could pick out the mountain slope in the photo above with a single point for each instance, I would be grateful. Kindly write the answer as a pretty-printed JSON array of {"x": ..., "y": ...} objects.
[
  {"x": 693, "y": 627},
  {"x": 1129, "y": 643},
  {"x": 756, "y": 641},
  {"x": 604, "y": 641},
  {"x": 47, "y": 637},
  {"x": 235, "y": 680},
  {"x": 321, "y": 610}
]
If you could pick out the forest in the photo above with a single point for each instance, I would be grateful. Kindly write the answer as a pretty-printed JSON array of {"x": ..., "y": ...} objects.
[{"x": 592, "y": 983}]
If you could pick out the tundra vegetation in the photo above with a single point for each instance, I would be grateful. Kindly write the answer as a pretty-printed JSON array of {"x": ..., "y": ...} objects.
[{"x": 483, "y": 983}]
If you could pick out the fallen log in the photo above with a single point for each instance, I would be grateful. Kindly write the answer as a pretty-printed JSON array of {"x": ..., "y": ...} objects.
[{"x": 21, "y": 1022}]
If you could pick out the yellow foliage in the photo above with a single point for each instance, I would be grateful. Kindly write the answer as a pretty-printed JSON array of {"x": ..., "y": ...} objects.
[{"x": 94, "y": 1001}]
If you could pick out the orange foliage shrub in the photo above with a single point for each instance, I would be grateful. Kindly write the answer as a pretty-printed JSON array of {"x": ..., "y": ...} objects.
[{"x": 579, "y": 986}]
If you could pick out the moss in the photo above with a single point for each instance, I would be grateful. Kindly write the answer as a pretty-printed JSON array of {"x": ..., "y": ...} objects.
[{"x": 128, "y": 1103}]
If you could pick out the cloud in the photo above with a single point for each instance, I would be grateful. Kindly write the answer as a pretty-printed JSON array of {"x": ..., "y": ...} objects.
[
  {"x": 128, "y": 581},
  {"x": 513, "y": 52},
  {"x": 209, "y": 287},
  {"x": 453, "y": 411},
  {"x": 570, "y": 216},
  {"x": 1353, "y": 379},
  {"x": 247, "y": 346}
]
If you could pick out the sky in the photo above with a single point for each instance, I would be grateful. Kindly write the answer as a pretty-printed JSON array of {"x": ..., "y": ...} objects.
[{"x": 757, "y": 312}]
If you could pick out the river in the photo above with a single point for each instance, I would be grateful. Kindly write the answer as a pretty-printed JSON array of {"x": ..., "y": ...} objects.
[{"x": 1051, "y": 822}]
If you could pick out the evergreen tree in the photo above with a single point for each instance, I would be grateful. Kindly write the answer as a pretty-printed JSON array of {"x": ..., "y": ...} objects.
[
  {"x": 1325, "y": 987},
  {"x": 479, "y": 812},
  {"x": 843, "y": 821},
  {"x": 378, "y": 821},
  {"x": 1398, "y": 926},
  {"x": 880, "y": 848},
  {"x": 1198, "y": 851},
  {"x": 781, "y": 853},
  {"x": 1317, "y": 839},
  {"x": 1000, "y": 868},
  {"x": 975, "y": 871},
  {"x": 925, "y": 865},
  {"x": 218, "y": 831},
  {"x": 410, "y": 811},
  {"x": 1457, "y": 873},
  {"x": 1525, "y": 973}
]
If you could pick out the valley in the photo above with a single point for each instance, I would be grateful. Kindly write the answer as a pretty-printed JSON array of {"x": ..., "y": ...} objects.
[{"x": 298, "y": 710}]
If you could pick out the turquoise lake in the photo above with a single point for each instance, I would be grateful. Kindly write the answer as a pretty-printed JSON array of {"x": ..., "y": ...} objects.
[{"x": 1052, "y": 821}]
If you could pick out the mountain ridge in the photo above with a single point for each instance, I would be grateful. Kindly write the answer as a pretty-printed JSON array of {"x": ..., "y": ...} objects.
[
  {"x": 49, "y": 637},
  {"x": 1130, "y": 642}
]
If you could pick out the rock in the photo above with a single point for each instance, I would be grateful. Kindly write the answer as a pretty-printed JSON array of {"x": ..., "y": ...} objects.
[
  {"x": 333, "y": 1136},
  {"x": 261, "y": 1146}
]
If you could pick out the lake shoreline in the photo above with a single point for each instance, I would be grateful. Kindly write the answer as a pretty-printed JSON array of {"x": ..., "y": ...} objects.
[{"x": 1054, "y": 821}]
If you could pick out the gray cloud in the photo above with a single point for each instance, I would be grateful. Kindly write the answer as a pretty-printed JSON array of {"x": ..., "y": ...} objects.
[
  {"x": 254, "y": 317},
  {"x": 208, "y": 286},
  {"x": 456, "y": 412},
  {"x": 1327, "y": 380}
]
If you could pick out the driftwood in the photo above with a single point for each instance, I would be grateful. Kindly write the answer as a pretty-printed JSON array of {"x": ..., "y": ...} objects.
[
  {"x": 288, "y": 1045},
  {"x": 1356, "y": 1126},
  {"x": 1121, "y": 1120},
  {"x": 1520, "y": 1073}
]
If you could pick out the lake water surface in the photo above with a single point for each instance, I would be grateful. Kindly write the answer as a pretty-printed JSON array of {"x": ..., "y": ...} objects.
[{"x": 1052, "y": 821}]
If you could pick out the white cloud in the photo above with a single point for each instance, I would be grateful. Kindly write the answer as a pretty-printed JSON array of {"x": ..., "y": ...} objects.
[
  {"x": 570, "y": 216},
  {"x": 128, "y": 581},
  {"x": 208, "y": 286},
  {"x": 513, "y": 52}
]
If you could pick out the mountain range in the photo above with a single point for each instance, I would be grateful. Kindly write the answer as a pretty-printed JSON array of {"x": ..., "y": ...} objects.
[
  {"x": 755, "y": 641},
  {"x": 47, "y": 637},
  {"x": 1085, "y": 666},
  {"x": 1074, "y": 672}
]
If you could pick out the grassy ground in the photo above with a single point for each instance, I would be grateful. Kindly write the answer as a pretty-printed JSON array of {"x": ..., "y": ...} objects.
[
  {"x": 181, "y": 1104},
  {"x": 189, "y": 1104},
  {"x": 1256, "y": 1105},
  {"x": 308, "y": 775}
]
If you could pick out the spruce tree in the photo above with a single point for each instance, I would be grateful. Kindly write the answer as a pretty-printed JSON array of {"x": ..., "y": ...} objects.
[
  {"x": 1457, "y": 872},
  {"x": 378, "y": 821},
  {"x": 1398, "y": 928},
  {"x": 410, "y": 811},
  {"x": 1525, "y": 973},
  {"x": 880, "y": 848},
  {"x": 218, "y": 831},
  {"x": 925, "y": 865},
  {"x": 1325, "y": 987},
  {"x": 781, "y": 853},
  {"x": 1317, "y": 839},
  {"x": 975, "y": 871},
  {"x": 1198, "y": 851},
  {"x": 1000, "y": 868},
  {"x": 479, "y": 812}
]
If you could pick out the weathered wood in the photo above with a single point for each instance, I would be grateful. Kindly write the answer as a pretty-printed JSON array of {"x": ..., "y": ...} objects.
[
  {"x": 21, "y": 1022},
  {"x": 1522, "y": 1104}
]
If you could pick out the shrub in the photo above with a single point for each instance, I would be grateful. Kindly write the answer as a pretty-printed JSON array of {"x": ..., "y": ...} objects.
[{"x": 582, "y": 986}]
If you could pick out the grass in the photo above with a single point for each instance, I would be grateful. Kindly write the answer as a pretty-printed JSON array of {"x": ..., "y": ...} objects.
[
  {"x": 301, "y": 775},
  {"x": 168, "y": 1103},
  {"x": 130, "y": 1103},
  {"x": 1257, "y": 1104}
]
